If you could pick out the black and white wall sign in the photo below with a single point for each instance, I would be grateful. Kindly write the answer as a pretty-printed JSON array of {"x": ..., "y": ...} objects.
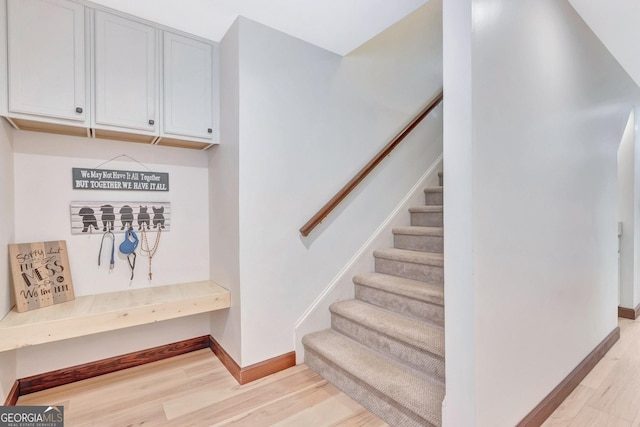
[
  {"x": 97, "y": 217},
  {"x": 110, "y": 179}
]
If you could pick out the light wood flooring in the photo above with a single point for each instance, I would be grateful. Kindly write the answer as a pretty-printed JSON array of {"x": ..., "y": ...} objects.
[
  {"x": 195, "y": 389},
  {"x": 610, "y": 395}
]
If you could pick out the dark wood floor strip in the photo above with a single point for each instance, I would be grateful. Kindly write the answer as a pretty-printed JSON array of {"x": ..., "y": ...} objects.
[
  {"x": 629, "y": 313},
  {"x": 113, "y": 364},
  {"x": 13, "y": 395},
  {"x": 256, "y": 371},
  {"x": 72, "y": 374},
  {"x": 226, "y": 359}
]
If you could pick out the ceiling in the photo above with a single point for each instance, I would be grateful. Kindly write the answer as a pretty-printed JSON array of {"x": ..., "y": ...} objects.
[{"x": 339, "y": 26}]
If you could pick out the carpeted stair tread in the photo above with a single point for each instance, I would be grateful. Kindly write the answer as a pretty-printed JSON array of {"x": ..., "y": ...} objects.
[
  {"x": 382, "y": 374},
  {"x": 426, "y": 209},
  {"x": 416, "y": 230},
  {"x": 414, "y": 257},
  {"x": 433, "y": 190},
  {"x": 427, "y": 292},
  {"x": 421, "y": 335}
]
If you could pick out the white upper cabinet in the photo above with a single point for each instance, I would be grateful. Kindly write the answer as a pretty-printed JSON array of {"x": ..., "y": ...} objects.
[
  {"x": 47, "y": 68},
  {"x": 126, "y": 73},
  {"x": 188, "y": 88},
  {"x": 80, "y": 69}
]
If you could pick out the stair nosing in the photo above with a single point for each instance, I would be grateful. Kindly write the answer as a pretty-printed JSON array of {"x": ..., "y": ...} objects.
[
  {"x": 418, "y": 230},
  {"x": 426, "y": 209},
  {"x": 414, "y": 257}
]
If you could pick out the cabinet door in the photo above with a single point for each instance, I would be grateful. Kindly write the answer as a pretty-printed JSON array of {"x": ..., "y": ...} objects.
[
  {"x": 126, "y": 83},
  {"x": 46, "y": 41},
  {"x": 188, "y": 98}
]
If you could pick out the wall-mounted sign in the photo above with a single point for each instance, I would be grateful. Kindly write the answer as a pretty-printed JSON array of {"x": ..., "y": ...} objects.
[
  {"x": 111, "y": 179},
  {"x": 98, "y": 217},
  {"x": 41, "y": 274}
]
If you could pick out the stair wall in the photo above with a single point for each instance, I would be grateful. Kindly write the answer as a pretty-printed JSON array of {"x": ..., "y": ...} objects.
[
  {"x": 317, "y": 316},
  {"x": 389, "y": 346}
]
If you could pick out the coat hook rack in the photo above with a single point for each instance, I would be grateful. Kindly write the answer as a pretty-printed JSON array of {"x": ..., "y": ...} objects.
[{"x": 118, "y": 217}]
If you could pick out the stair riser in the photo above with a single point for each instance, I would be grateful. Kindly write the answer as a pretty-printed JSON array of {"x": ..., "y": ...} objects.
[
  {"x": 433, "y": 198},
  {"x": 419, "y": 243},
  {"x": 420, "y": 310},
  {"x": 383, "y": 406},
  {"x": 427, "y": 219},
  {"x": 425, "y": 362},
  {"x": 423, "y": 272}
]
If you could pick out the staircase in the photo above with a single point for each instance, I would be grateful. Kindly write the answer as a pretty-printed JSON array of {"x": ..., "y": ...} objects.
[{"x": 385, "y": 348}]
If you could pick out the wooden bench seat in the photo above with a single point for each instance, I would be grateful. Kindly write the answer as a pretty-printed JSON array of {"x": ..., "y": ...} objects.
[{"x": 92, "y": 314}]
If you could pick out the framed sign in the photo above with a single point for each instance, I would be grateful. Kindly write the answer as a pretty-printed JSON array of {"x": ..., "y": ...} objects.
[
  {"x": 40, "y": 273},
  {"x": 109, "y": 179}
]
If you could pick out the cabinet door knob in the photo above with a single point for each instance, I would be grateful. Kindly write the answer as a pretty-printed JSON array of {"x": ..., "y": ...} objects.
[
  {"x": 78, "y": 110},
  {"x": 210, "y": 130},
  {"x": 151, "y": 122}
]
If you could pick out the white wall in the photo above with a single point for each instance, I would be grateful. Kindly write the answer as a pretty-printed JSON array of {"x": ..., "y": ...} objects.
[
  {"x": 7, "y": 358},
  {"x": 615, "y": 22},
  {"x": 308, "y": 121},
  {"x": 459, "y": 406},
  {"x": 341, "y": 287},
  {"x": 627, "y": 215},
  {"x": 424, "y": 143},
  {"x": 4, "y": 96},
  {"x": 636, "y": 200},
  {"x": 541, "y": 125},
  {"x": 43, "y": 187},
  {"x": 224, "y": 208}
]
